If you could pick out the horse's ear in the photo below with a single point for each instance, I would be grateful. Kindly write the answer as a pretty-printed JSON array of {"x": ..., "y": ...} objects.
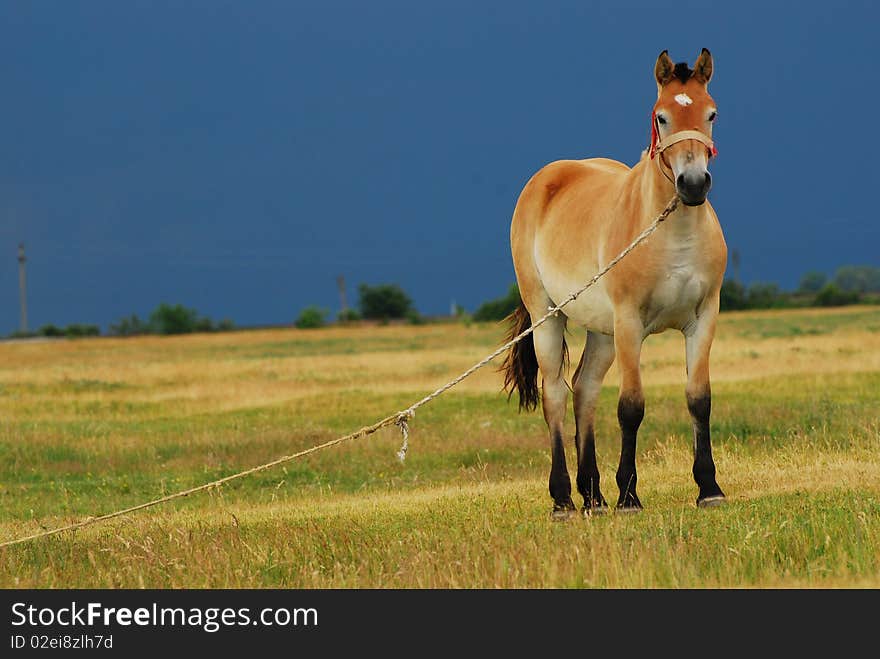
[
  {"x": 663, "y": 69},
  {"x": 703, "y": 67}
]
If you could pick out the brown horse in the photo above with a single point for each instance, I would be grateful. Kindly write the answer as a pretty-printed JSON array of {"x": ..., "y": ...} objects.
[{"x": 571, "y": 218}]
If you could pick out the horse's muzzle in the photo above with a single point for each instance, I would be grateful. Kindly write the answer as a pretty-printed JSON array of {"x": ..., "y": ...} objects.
[{"x": 693, "y": 188}]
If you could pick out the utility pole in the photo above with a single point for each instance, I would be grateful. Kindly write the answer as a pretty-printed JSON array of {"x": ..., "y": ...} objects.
[
  {"x": 734, "y": 259},
  {"x": 22, "y": 288},
  {"x": 340, "y": 284}
]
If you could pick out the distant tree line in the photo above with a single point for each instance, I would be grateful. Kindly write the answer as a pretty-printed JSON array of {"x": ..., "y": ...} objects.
[
  {"x": 386, "y": 302},
  {"x": 499, "y": 308},
  {"x": 72, "y": 331},
  {"x": 169, "y": 319},
  {"x": 164, "y": 319},
  {"x": 382, "y": 302},
  {"x": 851, "y": 284}
]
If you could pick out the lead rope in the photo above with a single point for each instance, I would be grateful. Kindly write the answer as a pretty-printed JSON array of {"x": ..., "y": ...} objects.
[{"x": 400, "y": 419}]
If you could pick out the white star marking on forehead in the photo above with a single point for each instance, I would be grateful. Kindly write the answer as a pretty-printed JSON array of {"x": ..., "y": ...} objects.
[{"x": 683, "y": 99}]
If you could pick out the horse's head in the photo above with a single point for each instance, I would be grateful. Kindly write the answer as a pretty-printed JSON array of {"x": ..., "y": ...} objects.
[{"x": 681, "y": 134}]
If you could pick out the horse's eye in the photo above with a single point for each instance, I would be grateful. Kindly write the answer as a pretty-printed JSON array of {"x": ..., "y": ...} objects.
[
  {"x": 712, "y": 115},
  {"x": 661, "y": 119}
]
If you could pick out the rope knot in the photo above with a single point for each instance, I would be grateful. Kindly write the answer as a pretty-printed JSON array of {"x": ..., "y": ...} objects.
[
  {"x": 670, "y": 207},
  {"x": 402, "y": 422}
]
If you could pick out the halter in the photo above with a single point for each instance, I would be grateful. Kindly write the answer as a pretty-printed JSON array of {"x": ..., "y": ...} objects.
[{"x": 658, "y": 146}]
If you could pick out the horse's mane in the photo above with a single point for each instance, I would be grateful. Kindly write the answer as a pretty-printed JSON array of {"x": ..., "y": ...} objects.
[{"x": 683, "y": 72}]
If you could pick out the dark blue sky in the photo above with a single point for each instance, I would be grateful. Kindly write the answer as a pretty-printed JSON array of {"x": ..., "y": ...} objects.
[{"x": 237, "y": 156}]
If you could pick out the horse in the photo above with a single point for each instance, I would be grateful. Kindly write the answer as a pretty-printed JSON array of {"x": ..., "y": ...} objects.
[{"x": 572, "y": 217}]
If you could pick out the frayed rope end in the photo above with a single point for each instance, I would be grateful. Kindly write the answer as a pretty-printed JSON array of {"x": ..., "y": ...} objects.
[{"x": 403, "y": 423}]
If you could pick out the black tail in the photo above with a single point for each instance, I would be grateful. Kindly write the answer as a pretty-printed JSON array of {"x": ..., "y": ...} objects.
[{"x": 521, "y": 365}]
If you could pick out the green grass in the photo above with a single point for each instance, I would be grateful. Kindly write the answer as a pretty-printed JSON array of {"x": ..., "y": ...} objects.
[{"x": 768, "y": 325}]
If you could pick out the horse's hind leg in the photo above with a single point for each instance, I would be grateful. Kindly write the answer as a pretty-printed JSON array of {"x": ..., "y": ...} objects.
[
  {"x": 596, "y": 360},
  {"x": 550, "y": 351}
]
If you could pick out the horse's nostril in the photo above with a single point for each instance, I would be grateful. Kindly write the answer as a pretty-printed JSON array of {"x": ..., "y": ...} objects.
[{"x": 708, "y": 183}]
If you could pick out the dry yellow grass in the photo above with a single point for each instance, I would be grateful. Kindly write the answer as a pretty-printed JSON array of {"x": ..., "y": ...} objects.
[
  {"x": 188, "y": 375},
  {"x": 89, "y": 426}
]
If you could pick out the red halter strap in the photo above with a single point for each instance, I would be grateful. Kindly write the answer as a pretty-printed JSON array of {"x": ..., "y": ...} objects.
[{"x": 655, "y": 136}]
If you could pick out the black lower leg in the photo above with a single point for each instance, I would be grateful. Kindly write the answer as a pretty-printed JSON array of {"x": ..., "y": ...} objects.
[
  {"x": 588, "y": 471},
  {"x": 700, "y": 408},
  {"x": 630, "y": 412},
  {"x": 560, "y": 482}
]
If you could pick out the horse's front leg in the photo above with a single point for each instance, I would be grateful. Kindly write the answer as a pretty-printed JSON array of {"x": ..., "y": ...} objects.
[
  {"x": 550, "y": 350},
  {"x": 628, "y": 337},
  {"x": 698, "y": 343}
]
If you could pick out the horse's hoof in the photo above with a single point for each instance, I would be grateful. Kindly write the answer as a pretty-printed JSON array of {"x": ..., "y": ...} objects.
[
  {"x": 594, "y": 511},
  {"x": 712, "y": 502},
  {"x": 629, "y": 503},
  {"x": 562, "y": 513}
]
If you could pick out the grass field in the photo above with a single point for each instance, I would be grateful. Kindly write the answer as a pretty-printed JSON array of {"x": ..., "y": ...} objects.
[{"x": 90, "y": 426}]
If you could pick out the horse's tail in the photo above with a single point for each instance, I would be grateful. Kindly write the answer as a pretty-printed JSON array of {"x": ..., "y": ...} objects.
[{"x": 520, "y": 365}]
